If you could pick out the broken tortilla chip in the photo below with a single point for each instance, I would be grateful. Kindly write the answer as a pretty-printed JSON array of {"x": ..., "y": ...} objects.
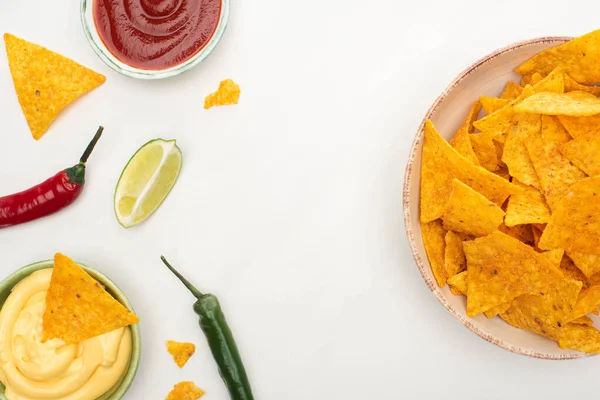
[
  {"x": 45, "y": 82},
  {"x": 78, "y": 307},
  {"x": 584, "y": 153},
  {"x": 574, "y": 225},
  {"x": 454, "y": 256},
  {"x": 185, "y": 391},
  {"x": 469, "y": 212},
  {"x": 227, "y": 94},
  {"x": 434, "y": 242},
  {"x": 440, "y": 164},
  {"x": 501, "y": 268},
  {"x": 526, "y": 208},
  {"x": 180, "y": 351},
  {"x": 575, "y": 104},
  {"x": 579, "y": 58}
]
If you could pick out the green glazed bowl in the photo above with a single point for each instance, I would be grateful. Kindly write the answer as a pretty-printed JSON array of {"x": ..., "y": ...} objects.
[{"x": 120, "y": 388}]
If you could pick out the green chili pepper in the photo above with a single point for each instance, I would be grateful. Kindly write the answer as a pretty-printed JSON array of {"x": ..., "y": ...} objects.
[{"x": 220, "y": 339}]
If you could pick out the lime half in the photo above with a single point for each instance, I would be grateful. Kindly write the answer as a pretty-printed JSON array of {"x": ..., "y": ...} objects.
[{"x": 146, "y": 181}]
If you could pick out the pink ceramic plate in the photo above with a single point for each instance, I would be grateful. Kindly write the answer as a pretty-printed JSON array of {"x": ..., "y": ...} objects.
[{"x": 486, "y": 77}]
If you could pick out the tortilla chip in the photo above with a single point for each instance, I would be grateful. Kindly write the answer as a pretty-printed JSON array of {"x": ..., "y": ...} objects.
[
  {"x": 571, "y": 86},
  {"x": 547, "y": 312},
  {"x": 524, "y": 127},
  {"x": 555, "y": 256},
  {"x": 185, "y": 391},
  {"x": 526, "y": 208},
  {"x": 523, "y": 233},
  {"x": 180, "y": 351},
  {"x": 492, "y": 104},
  {"x": 511, "y": 91},
  {"x": 459, "y": 282},
  {"x": 553, "y": 130},
  {"x": 575, "y": 104},
  {"x": 584, "y": 153},
  {"x": 589, "y": 264},
  {"x": 588, "y": 301},
  {"x": 227, "y": 94},
  {"x": 526, "y": 79},
  {"x": 45, "y": 82},
  {"x": 502, "y": 268},
  {"x": 587, "y": 321},
  {"x": 570, "y": 270},
  {"x": 485, "y": 150},
  {"x": 78, "y": 308},
  {"x": 454, "y": 256},
  {"x": 574, "y": 225},
  {"x": 580, "y": 337},
  {"x": 535, "y": 78},
  {"x": 554, "y": 82},
  {"x": 434, "y": 241},
  {"x": 579, "y": 58},
  {"x": 556, "y": 174},
  {"x": 461, "y": 140},
  {"x": 440, "y": 164},
  {"x": 469, "y": 212},
  {"x": 581, "y": 127},
  {"x": 492, "y": 312}
]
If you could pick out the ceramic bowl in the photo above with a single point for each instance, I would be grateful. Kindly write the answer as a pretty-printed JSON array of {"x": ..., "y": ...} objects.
[
  {"x": 120, "y": 388},
  {"x": 89, "y": 28},
  {"x": 486, "y": 77}
]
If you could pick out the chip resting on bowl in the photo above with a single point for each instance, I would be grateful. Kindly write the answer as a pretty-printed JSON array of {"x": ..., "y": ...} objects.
[
  {"x": 78, "y": 307},
  {"x": 45, "y": 82}
]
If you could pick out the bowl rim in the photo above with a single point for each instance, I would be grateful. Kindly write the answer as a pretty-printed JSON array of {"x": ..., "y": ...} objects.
[
  {"x": 122, "y": 386},
  {"x": 113, "y": 62},
  {"x": 424, "y": 267}
]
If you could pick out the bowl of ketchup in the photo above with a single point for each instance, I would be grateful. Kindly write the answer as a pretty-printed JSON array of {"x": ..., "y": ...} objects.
[{"x": 153, "y": 39}]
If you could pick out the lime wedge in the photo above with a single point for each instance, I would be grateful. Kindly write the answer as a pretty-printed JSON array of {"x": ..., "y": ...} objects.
[{"x": 146, "y": 181}]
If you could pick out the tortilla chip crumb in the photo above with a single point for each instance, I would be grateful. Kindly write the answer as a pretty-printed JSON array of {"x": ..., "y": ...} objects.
[
  {"x": 185, "y": 390},
  {"x": 181, "y": 351},
  {"x": 227, "y": 94}
]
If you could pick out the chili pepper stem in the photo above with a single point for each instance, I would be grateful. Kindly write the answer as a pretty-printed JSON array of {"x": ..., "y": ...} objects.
[
  {"x": 187, "y": 283},
  {"x": 90, "y": 147}
]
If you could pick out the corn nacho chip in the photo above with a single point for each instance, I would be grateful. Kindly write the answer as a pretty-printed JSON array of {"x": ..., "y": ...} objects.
[
  {"x": 581, "y": 127},
  {"x": 45, "y": 82},
  {"x": 587, "y": 321},
  {"x": 526, "y": 79},
  {"x": 553, "y": 130},
  {"x": 579, "y": 58},
  {"x": 185, "y": 391},
  {"x": 469, "y": 212},
  {"x": 526, "y": 208},
  {"x": 492, "y": 104},
  {"x": 589, "y": 264},
  {"x": 500, "y": 121},
  {"x": 440, "y": 164},
  {"x": 78, "y": 308},
  {"x": 485, "y": 150},
  {"x": 555, "y": 173},
  {"x": 535, "y": 78},
  {"x": 492, "y": 312},
  {"x": 523, "y": 233},
  {"x": 554, "y": 82},
  {"x": 588, "y": 301},
  {"x": 547, "y": 312},
  {"x": 574, "y": 225},
  {"x": 580, "y": 337},
  {"x": 570, "y": 270},
  {"x": 571, "y": 86},
  {"x": 181, "y": 351},
  {"x": 434, "y": 242},
  {"x": 584, "y": 153},
  {"x": 228, "y": 93},
  {"x": 501, "y": 268},
  {"x": 575, "y": 104},
  {"x": 461, "y": 140},
  {"x": 454, "y": 256},
  {"x": 459, "y": 282},
  {"x": 515, "y": 156},
  {"x": 555, "y": 256},
  {"x": 511, "y": 91}
]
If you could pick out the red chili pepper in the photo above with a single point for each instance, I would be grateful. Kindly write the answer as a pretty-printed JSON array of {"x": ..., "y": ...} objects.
[{"x": 48, "y": 197}]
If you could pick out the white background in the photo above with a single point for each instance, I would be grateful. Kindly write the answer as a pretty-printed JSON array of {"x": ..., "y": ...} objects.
[{"x": 289, "y": 204}]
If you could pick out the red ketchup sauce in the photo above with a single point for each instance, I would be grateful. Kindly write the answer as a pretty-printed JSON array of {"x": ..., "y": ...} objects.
[{"x": 156, "y": 34}]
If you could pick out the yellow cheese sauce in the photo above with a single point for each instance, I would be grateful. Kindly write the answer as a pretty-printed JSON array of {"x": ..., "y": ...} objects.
[{"x": 54, "y": 370}]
